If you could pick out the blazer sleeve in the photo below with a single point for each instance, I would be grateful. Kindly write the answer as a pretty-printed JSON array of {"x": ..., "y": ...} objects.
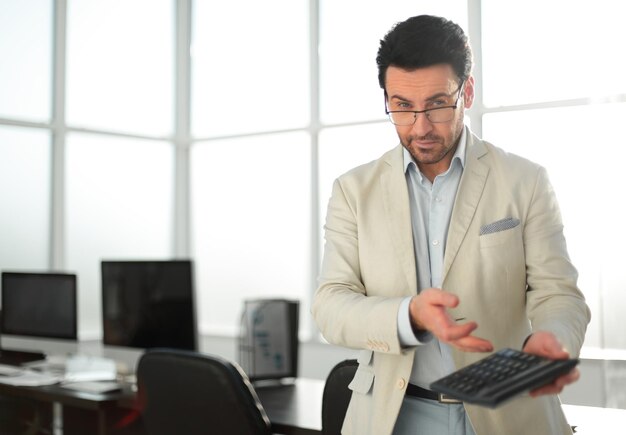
[
  {"x": 554, "y": 302},
  {"x": 344, "y": 311}
]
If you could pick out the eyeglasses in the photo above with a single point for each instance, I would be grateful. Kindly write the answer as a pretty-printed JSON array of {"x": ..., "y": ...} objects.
[{"x": 435, "y": 115}]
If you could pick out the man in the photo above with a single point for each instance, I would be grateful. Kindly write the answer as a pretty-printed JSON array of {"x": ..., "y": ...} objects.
[{"x": 441, "y": 250}]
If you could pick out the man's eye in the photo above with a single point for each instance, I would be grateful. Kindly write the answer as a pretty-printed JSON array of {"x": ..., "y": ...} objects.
[
  {"x": 403, "y": 105},
  {"x": 439, "y": 103}
]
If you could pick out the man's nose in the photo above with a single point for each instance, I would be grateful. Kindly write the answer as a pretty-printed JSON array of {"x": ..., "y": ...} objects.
[{"x": 422, "y": 125}]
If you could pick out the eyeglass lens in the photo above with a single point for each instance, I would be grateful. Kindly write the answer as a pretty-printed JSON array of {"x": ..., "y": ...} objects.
[{"x": 443, "y": 114}]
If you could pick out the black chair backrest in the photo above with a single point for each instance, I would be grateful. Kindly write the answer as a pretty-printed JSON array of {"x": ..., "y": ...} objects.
[
  {"x": 337, "y": 396},
  {"x": 184, "y": 392}
]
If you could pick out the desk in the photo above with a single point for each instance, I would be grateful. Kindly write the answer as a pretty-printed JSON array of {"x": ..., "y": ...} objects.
[
  {"x": 104, "y": 407},
  {"x": 292, "y": 409}
]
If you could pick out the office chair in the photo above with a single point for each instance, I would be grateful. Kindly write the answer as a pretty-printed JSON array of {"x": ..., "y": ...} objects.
[
  {"x": 185, "y": 392},
  {"x": 336, "y": 396}
]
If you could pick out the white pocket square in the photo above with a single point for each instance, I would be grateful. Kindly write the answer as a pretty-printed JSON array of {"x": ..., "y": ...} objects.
[{"x": 501, "y": 225}]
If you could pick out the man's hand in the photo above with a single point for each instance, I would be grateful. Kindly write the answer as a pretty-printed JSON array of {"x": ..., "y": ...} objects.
[
  {"x": 545, "y": 344},
  {"x": 428, "y": 311}
]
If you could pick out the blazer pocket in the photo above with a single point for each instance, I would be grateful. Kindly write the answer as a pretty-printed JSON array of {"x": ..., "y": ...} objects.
[
  {"x": 497, "y": 226},
  {"x": 362, "y": 381},
  {"x": 500, "y": 237}
]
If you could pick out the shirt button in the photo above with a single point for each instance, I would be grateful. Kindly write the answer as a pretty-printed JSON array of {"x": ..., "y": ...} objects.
[
  {"x": 438, "y": 198},
  {"x": 401, "y": 383},
  {"x": 435, "y": 242}
]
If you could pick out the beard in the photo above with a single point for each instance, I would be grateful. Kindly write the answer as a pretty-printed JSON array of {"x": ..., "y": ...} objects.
[
  {"x": 433, "y": 154},
  {"x": 427, "y": 156}
]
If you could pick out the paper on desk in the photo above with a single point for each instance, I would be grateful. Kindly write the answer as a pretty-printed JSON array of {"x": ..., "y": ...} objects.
[
  {"x": 88, "y": 368},
  {"x": 93, "y": 387},
  {"x": 30, "y": 378}
]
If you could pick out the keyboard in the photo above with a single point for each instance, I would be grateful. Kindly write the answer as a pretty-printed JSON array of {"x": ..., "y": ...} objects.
[{"x": 501, "y": 376}]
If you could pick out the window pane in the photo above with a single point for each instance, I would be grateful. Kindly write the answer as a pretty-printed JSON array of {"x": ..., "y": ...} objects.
[
  {"x": 25, "y": 198},
  {"x": 120, "y": 65},
  {"x": 251, "y": 222},
  {"x": 119, "y": 205},
  {"x": 567, "y": 50},
  {"x": 349, "y": 37},
  {"x": 25, "y": 50},
  {"x": 585, "y": 166},
  {"x": 250, "y": 71}
]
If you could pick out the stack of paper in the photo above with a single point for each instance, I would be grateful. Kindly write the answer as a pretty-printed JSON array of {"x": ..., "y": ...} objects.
[
  {"x": 30, "y": 378},
  {"x": 89, "y": 368}
]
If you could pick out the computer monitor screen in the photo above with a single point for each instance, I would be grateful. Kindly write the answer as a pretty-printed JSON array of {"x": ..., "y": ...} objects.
[
  {"x": 39, "y": 305},
  {"x": 148, "y": 304}
]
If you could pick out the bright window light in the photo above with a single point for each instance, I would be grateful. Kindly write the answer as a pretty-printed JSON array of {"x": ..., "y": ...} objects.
[
  {"x": 120, "y": 64},
  {"x": 538, "y": 50},
  {"x": 26, "y": 53},
  {"x": 250, "y": 66}
]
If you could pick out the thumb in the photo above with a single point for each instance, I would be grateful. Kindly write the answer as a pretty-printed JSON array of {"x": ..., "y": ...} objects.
[{"x": 446, "y": 299}]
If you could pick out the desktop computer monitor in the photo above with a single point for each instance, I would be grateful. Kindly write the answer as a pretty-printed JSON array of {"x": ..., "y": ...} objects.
[
  {"x": 39, "y": 305},
  {"x": 147, "y": 304}
]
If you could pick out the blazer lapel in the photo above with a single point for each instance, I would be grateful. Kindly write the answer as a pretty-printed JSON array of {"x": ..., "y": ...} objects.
[
  {"x": 398, "y": 214},
  {"x": 470, "y": 190}
]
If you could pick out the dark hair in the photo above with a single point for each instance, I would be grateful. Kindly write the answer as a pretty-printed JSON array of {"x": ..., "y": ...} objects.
[{"x": 424, "y": 41}]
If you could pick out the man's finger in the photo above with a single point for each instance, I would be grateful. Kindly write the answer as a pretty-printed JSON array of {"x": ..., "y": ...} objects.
[
  {"x": 441, "y": 297},
  {"x": 473, "y": 344},
  {"x": 557, "y": 386},
  {"x": 454, "y": 332},
  {"x": 546, "y": 389}
]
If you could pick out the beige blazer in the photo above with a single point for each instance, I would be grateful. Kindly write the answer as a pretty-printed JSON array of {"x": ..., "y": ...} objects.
[{"x": 512, "y": 282}]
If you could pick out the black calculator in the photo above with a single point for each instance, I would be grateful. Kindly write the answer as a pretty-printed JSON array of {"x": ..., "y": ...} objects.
[{"x": 501, "y": 376}]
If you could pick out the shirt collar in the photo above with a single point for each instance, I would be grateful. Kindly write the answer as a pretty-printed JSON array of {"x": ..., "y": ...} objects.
[{"x": 459, "y": 154}]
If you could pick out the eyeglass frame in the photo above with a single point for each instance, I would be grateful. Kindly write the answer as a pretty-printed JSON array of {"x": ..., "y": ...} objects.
[{"x": 425, "y": 111}]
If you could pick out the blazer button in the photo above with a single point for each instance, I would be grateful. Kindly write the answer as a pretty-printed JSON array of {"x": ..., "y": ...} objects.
[{"x": 401, "y": 383}]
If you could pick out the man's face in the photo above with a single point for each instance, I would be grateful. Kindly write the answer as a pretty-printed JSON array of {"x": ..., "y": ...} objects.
[{"x": 432, "y": 145}]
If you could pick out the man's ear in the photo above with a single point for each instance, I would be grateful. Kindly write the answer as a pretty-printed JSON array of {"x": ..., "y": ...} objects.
[{"x": 468, "y": 92}]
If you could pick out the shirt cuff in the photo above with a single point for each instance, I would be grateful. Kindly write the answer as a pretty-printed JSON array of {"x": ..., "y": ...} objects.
[{"x": 405, "y": 330}]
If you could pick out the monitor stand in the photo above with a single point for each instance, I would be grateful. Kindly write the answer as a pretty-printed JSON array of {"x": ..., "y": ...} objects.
[{"x": 18, "y": 357}]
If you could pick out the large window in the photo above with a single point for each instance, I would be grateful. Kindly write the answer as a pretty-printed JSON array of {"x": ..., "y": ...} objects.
[
  {"x": 214, "y": 130},
  {"x": 119, "y": 201},
  {"x": 251, "y": 224}
]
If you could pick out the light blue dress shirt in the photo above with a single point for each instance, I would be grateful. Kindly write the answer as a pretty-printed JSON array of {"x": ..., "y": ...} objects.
[{"x": 431, "y": 209}]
